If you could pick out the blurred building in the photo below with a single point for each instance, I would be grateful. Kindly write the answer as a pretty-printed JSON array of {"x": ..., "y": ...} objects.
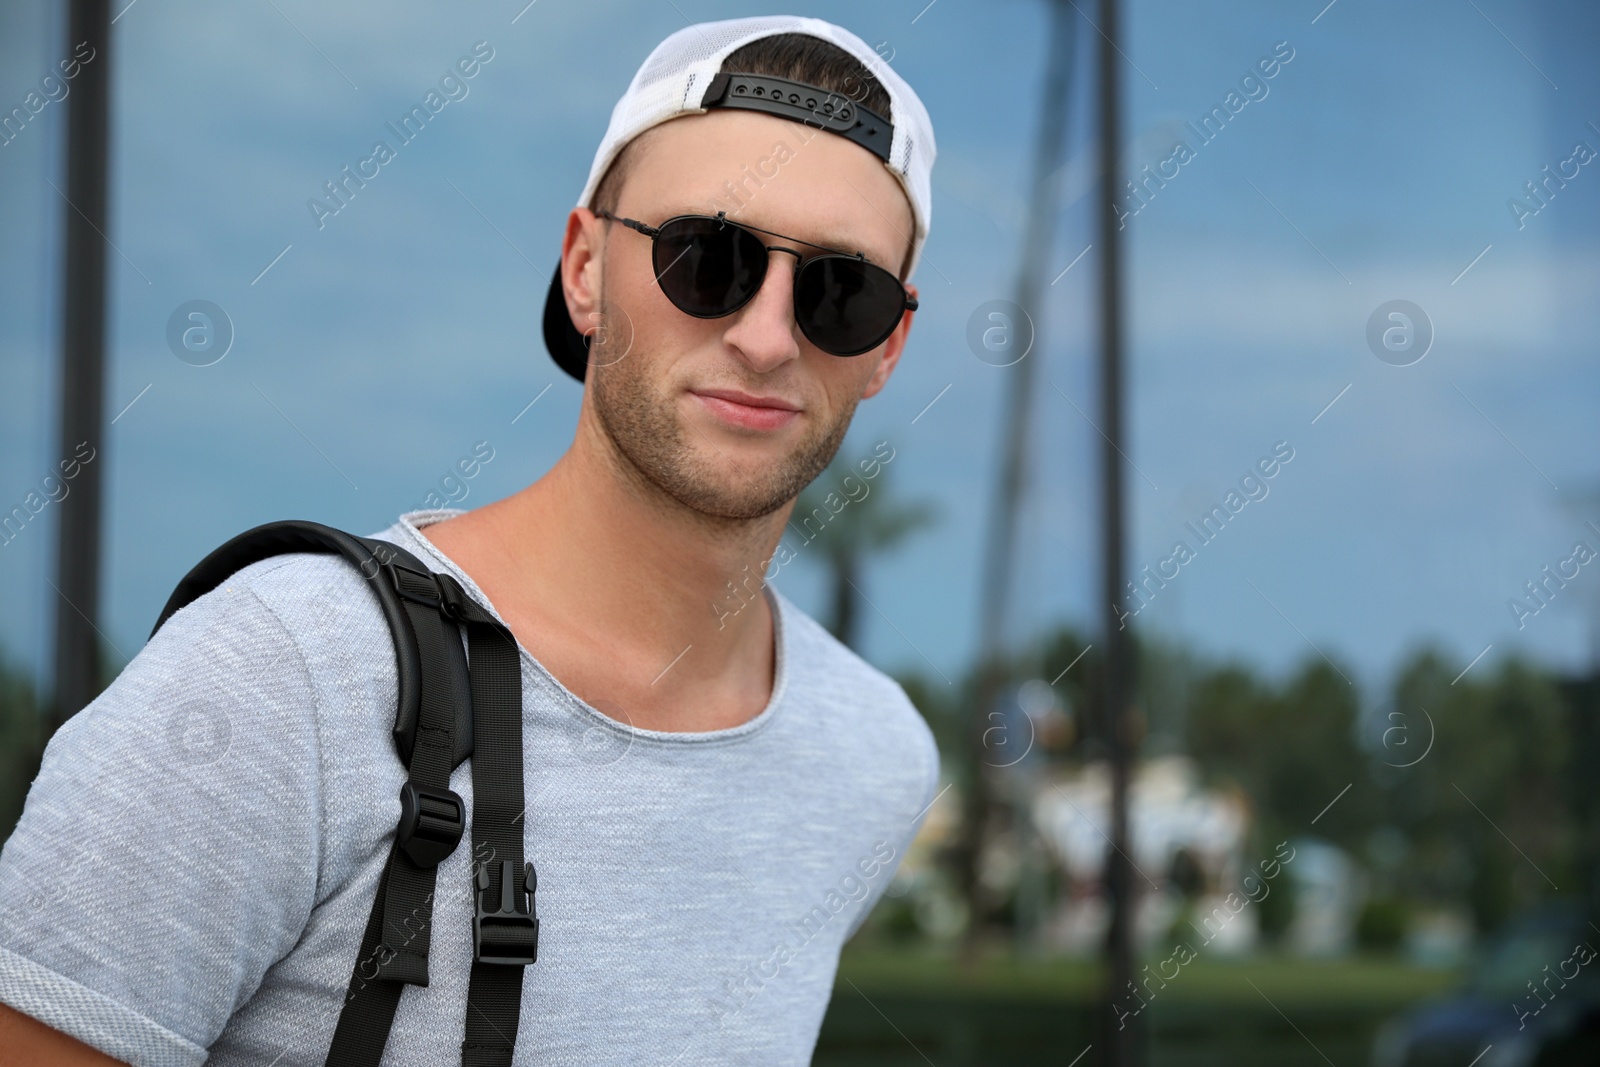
[
  {"x": 1329, "y": 888},
  {"x": 1171, "y": 816}
]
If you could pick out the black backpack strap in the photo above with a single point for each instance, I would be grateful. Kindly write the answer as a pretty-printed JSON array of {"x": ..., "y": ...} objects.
[
  {"x": 445, "y": 707},
  {"x": 395, "y": 944},
  {"x": 505, "y": 923}
]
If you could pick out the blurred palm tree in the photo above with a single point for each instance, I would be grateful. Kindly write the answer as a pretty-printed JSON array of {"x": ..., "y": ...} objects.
[{"x": 848, "y": 517}]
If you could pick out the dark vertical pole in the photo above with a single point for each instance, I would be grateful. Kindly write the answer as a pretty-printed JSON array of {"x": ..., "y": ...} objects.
[
  {"x": 1123, "y": 1039},
  {"x": 77, "y": 654},
  {"x": 1043, "y": 207}
]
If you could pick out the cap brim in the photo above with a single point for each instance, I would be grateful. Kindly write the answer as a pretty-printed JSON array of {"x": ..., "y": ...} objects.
[{"x": 568, "y": 347}]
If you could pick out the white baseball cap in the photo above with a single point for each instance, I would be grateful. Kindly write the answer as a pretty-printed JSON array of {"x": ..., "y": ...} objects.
[{"x": 681, "y": 77}]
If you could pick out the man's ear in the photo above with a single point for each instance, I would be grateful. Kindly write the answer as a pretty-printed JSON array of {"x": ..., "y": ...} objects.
[
  {"x": 581, "y": 253},
  {"x": 891, "y": 351}
]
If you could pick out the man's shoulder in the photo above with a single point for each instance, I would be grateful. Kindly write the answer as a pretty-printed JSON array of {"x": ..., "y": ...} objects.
[
  {"x": 306, "y": 636},
  {"x": 314, "y": 611},
  {"x": 826, "y": 668},
  {"x": 820, "y": 654}
]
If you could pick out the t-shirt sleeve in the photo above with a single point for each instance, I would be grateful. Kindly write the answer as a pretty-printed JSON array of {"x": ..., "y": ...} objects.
[{"x": 168, "y": 852}]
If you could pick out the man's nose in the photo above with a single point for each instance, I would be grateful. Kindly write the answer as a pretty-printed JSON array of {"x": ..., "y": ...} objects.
[{"x": 764, "y": 330}]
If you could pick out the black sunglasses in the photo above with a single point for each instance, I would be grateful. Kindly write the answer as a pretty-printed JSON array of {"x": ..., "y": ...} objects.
[{"x": 710, "y": 266}]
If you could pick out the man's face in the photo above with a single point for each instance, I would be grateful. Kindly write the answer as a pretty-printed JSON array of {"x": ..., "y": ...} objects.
[{"x": 650, "y": 401}]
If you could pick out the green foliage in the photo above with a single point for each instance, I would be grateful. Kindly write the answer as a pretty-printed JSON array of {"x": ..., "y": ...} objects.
[
  {"x": 1489, "y": 810},
  {"x": 1292, "y": 748},
  {"x": 1276, "y": 910},
  {"x": 941, "y": 709},
  {"x": 1381, "y": 926},
  {"x": 896, "y": 917},
  {"x": 1081, "y": 689}
]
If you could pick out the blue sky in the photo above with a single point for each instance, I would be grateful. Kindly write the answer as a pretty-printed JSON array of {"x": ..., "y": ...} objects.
[{"x": 378, "y": 349}]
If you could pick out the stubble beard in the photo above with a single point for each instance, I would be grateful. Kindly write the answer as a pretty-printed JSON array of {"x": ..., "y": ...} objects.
[{"x": 680, "y": 462}]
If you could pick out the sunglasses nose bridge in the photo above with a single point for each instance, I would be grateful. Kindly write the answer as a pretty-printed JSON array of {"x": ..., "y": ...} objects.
[
  {"x": 794, "y": 274},
  {"x": 786, "y": 288},
  {"x": 766, "y": 273},
  {"x": 761, "y": 323}
]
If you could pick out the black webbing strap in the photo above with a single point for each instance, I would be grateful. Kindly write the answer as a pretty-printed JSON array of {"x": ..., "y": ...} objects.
[
  {"x": 432, "y": 818},
  {"x": 370, "y": 1002},
  {"x": 505, "y": 925},
  {"x": 395, "y": 944},
  {"x": 447, "y": 710}
]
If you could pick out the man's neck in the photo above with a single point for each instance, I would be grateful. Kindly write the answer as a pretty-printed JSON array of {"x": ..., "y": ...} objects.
[{"x": 645, "y": 609}]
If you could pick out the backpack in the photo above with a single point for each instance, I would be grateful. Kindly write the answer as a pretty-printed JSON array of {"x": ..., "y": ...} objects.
[{"x": 449, "y": 709}]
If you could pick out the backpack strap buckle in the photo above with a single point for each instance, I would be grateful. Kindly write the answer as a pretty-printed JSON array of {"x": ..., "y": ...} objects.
[
  {"x": 505, "y": 935},
  {"x": 431, "y": 823},
  {"x": 433, "y": 588}
]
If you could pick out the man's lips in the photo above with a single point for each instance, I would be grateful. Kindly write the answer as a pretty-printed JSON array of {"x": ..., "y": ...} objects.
[
  {"x": 748, "y": 411},
  {"x": 749, "y": 400}
]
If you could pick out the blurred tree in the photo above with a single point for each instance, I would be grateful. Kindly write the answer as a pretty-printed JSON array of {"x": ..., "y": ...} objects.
[
  {"x": 1188, "y": 877},
  {"x": 1381, "y": 924},
  {"x": 940, "y": 705},
  {"x": 1164, "y": 686},
  {"x": 1277, "y": 910},
  {"x": 1487, "y": 811},
  {"x": 1074, "y": 667},
  {"x": 1582, "y": 696},
  {"x": 1292, "y": 749},
  {"x": 850, "y": 517}
]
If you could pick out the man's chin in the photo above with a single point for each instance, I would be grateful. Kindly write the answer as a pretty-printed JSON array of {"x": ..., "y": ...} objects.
[
  {"x": 743, "y": 476},
  {"x": 734, "y": 500}
]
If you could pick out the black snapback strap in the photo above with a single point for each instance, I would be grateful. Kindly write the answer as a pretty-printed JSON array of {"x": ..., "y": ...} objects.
[{"x": 822, "y": 108}]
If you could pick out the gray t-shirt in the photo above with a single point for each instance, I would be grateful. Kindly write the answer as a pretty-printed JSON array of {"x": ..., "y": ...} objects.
[{"x": 198, "y": 857}]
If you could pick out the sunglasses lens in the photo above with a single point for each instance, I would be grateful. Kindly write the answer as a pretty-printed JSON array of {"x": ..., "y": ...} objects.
[
  {"x": 845, "y": 306},
  {"x": 708, "y": 268}
]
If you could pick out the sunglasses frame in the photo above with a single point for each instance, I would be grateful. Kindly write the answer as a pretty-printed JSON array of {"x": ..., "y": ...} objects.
[{"x": 908, "y": 302}]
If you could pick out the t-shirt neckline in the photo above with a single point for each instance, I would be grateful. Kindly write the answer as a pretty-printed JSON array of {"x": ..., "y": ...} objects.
[{"x": 410, "y": 523}]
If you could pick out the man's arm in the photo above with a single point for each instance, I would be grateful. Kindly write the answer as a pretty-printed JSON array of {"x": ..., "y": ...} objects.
[
  {"x": 192, "y": 779},
  {"x": 33, "y": 1044}
]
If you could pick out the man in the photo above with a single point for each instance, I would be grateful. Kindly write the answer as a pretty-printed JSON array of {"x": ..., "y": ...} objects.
[{"x": 718, "y": 791}]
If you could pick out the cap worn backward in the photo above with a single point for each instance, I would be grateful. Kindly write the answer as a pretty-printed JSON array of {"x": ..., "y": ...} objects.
[{"x": 673, "y": 81}]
